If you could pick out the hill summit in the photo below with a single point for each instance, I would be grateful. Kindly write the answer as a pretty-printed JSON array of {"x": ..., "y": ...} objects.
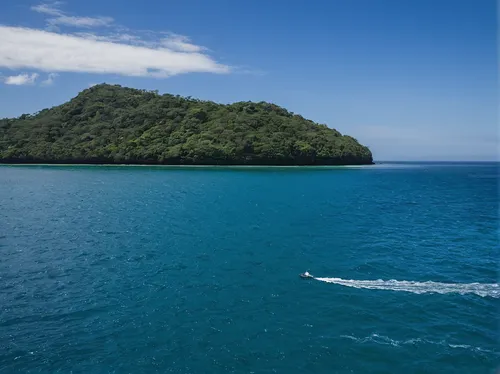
[{"x": 114, "y": 124}]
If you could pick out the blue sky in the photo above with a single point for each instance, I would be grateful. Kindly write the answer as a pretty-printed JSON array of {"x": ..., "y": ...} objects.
[{"x": 413, "y": 79}]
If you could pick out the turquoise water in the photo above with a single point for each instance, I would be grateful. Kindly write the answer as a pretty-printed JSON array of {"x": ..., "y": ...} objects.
[{"x": 158, "y": 270}]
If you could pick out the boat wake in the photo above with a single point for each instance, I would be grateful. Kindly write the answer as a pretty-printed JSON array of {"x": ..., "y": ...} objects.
[
  {"x": 480, "y": 289},
  {"x": 385, "y": 340}
]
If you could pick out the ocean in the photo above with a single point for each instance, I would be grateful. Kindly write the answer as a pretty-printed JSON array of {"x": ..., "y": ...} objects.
[{"x": 109, "y": 269}]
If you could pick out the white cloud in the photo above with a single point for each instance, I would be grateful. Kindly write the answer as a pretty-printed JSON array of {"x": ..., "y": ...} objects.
[
  {"x": 118, "y": 51},
  {"x": 21, "y": 79},
  {"x": 61, "y": 18},
  {"x": 23, "y": 48},
  {"x": 50, "y": 79},
  {"x": 181, "y": 43}
]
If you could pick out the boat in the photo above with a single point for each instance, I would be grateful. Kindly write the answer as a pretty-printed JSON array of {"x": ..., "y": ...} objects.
[{"x": 305, "y": 275}]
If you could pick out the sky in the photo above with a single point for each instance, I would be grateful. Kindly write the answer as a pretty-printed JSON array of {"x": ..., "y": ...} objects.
[{"x": 413, "y": 79}]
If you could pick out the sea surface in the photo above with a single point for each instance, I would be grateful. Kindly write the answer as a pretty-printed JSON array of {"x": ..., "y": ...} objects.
[{"x": 195, "y": 270}]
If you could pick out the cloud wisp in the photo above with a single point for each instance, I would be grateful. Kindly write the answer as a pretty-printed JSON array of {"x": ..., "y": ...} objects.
[
  {"x": 58, "y": 17},
  {"x": 50, "y": 79},
  {"x": 181, "y": 43},
  {"x": 21, "y": 79}
]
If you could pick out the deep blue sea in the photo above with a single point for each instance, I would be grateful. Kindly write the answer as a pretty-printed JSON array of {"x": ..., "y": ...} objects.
[{"x": 195, "y": 270}]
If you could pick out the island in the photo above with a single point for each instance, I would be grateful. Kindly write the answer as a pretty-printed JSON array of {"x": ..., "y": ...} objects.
[{"x": 111, "y": 124}]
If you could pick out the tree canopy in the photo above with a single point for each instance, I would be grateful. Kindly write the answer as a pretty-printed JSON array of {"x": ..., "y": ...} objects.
[{"x": 114, "y": 124}]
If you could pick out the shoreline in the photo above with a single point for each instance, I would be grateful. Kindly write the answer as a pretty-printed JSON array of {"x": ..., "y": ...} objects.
[
  {"x": 191, "y": 166},
  {"x": 374, "y": 165}
]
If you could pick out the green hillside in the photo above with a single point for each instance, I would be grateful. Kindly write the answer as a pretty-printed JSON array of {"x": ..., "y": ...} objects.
[{"x": 113, "y": 124}]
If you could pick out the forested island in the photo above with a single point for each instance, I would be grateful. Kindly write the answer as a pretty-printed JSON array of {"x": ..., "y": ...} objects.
[{"x": 110, "y": 124}]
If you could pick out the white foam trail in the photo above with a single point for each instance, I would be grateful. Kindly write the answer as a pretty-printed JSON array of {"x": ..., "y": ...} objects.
[
  {"x": 385, "y": 340},
  {"x": 480, "y": 289}
]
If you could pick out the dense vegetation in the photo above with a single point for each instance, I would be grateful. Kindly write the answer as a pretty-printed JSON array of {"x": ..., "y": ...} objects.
[{"x": 113, "y": 124}]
